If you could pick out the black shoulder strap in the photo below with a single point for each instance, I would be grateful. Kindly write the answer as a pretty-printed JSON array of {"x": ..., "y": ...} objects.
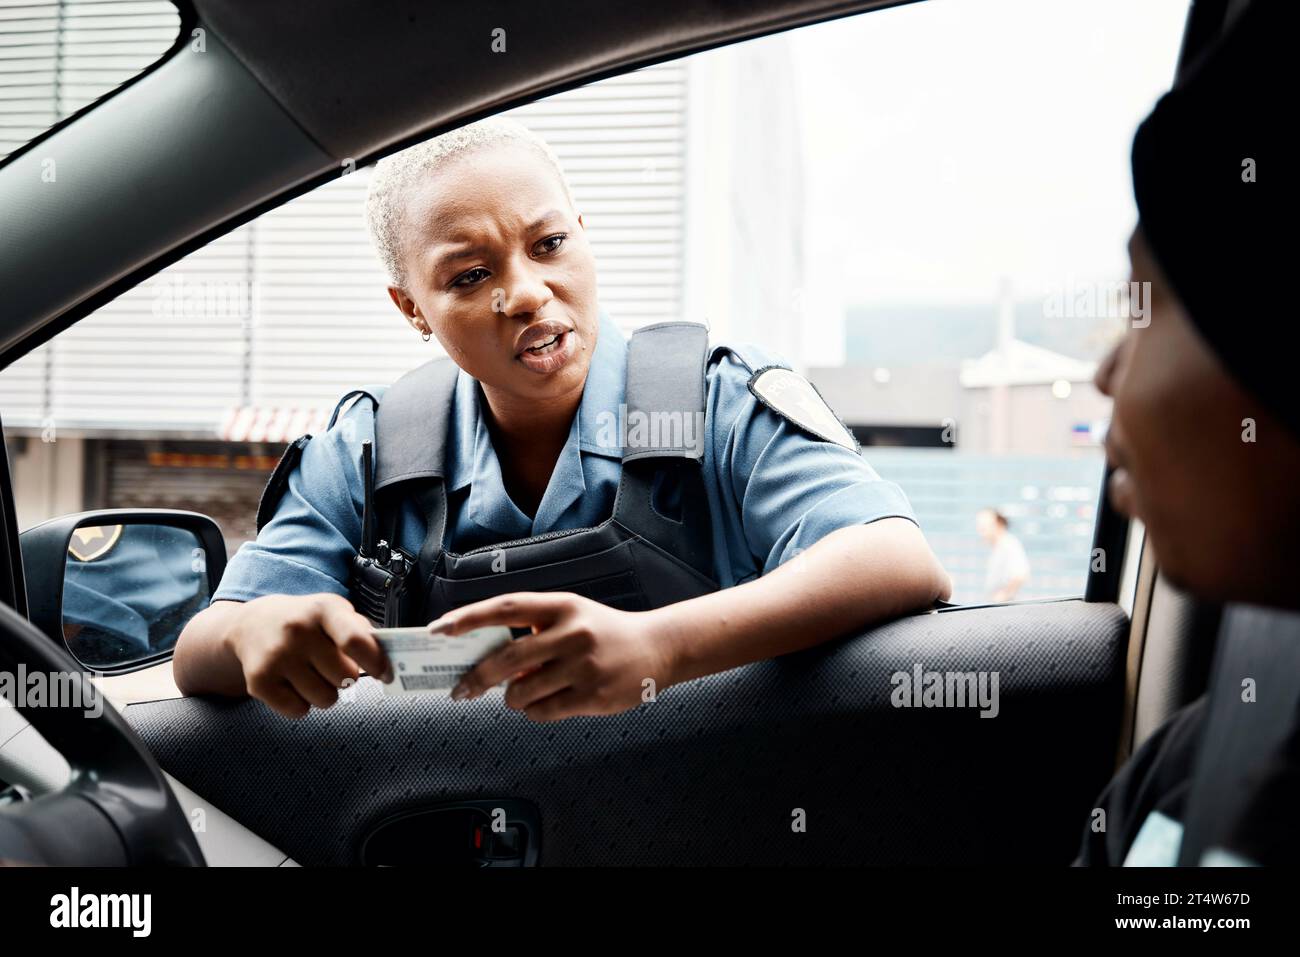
[
  {"x": 355, "y": 393},
  {"x": 665, "y": 383},
  {"x": 411, "y": 428},
  {"x": 413, "y": 422},
  {"x": 279, "y": 480},
  {"x": 1253, "y": 700},
  {"x": 664, "y": 442}
]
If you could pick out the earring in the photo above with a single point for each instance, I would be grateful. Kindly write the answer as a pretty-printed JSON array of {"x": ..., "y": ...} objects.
[{"x": 426, "y": 336}]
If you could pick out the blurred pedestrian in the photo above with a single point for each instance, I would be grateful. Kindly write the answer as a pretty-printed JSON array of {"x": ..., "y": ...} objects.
[{"x": 1008, "y": 567}]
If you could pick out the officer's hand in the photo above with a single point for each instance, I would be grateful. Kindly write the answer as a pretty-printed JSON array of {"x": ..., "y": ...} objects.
[
  {"x": 298, "y": 650},
  {"x": 583, "y": 658}
]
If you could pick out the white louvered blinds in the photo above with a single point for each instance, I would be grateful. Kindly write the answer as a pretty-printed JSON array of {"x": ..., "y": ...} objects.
[
  {"x": 57, "y": 57},
  {"x": 324, "y": 322},
  {"x": 622, "y": 142},
  {"x": 29, "y": 88},
  {"x": 318, "y": 320},
  {"x": 164, "y": 355}
]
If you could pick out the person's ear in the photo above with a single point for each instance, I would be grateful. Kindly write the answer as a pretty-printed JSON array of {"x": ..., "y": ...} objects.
[{"x": 408, "y": 308}]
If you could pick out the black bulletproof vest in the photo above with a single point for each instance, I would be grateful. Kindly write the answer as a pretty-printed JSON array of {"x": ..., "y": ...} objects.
[{"x": 656, "y": 547}]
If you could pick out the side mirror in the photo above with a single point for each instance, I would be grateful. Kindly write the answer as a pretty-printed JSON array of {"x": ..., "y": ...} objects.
[{"x": 117, "y": 586}]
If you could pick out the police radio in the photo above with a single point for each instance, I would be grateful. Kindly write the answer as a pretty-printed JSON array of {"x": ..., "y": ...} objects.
[{"x": 380, "y": 570}]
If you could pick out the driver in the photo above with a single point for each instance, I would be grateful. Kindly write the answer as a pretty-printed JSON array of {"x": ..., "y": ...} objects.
[{"x": 1205, "y": 429}]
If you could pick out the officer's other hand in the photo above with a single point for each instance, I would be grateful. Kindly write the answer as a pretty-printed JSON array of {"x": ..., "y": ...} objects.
[
  {"x": 299, "y": 650},
  {"x": 583, "y": 658}
]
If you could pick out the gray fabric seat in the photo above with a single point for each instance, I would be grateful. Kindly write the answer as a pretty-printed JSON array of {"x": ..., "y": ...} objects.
[{"x": 1258, "y": 651}]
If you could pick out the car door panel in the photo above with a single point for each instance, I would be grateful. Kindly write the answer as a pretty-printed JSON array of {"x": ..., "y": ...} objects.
[
  {"x": 717, "y": 770},
  {"x": 33, "y": 764}
]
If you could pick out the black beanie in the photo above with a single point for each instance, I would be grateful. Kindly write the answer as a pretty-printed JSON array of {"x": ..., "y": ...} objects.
[{"x": 1217, "y": 235}]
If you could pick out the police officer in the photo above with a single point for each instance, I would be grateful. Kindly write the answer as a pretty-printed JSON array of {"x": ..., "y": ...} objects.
[{"x": 643, "y": 508}]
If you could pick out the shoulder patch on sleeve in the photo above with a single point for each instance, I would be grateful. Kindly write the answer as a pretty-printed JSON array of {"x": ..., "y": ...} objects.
[{"x": 790, "y": 395}]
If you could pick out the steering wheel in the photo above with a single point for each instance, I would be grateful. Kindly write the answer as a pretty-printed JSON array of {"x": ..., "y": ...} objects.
[{"x": 117, "y": 808}]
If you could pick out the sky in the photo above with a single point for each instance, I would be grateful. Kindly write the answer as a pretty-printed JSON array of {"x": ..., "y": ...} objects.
[{"x": 951, "y": 143}]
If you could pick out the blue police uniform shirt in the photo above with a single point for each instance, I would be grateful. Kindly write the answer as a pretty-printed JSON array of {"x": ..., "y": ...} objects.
[
  {"x": 132, "y": 597},
  {"x": 773, "y": 490}
]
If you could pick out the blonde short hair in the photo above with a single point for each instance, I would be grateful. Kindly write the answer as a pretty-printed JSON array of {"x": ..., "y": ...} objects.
[{"x": 394, "y": 177}]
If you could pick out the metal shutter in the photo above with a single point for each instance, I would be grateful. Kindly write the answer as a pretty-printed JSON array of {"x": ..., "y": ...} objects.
[{"x": 221, "y": 480}]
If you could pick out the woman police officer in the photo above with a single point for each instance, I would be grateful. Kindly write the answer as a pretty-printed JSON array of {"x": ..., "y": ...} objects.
[{"x": 526, "y": 488}]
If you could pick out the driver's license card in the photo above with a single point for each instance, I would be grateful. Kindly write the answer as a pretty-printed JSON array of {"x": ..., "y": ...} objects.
[{"x": 423, "y": 662}]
